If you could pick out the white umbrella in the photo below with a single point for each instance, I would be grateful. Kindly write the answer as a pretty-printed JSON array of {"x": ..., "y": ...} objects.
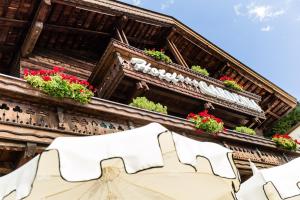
[
  {"x": 276, "y": 183},
  {"x": 144, "y": 163}
]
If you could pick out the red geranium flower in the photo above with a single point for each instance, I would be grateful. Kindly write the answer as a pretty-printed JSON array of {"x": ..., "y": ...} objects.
[
  {"x": 58, "y": 69},
  {"x": 26, "y": 72},
  {"x": 42, "y": 72},
  {"x": 226, "y": 78},
  {"x": 33, "y": 73},
  {"x": 205, "y": 120},
  {"x": 204, "y": 113},
  {"x": 191, "y": 115},
  {"x": 46, "y": 78}
]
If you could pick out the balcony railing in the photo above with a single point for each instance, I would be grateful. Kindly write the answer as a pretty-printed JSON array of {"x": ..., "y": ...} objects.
[{"x": 28, "y": 115}]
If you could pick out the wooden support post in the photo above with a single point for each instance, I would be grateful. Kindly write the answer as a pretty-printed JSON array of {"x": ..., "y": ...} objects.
[
  {"x": 36, "y": 28},
  {"x": 31, "y": 38},
  {"x": 255, "y": 121},
  {"x": 28, "y": 154},
  {"x": 124, "y": 37},
  {"x": 172, "y": 47},
  {"x": 208, "y": 106},
  {"x": 119, "y": 33},
  {"x": 140, "y": 90},
  {"x": 61, "y": 120}
]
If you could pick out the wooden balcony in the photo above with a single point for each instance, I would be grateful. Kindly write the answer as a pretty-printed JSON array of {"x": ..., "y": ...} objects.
[
  {"x": 30, "y": 120},
  {"x": 117, "y": 80}
]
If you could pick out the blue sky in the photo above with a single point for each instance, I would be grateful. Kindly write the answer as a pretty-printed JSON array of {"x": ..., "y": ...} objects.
[{"x": 265, "y": 34}]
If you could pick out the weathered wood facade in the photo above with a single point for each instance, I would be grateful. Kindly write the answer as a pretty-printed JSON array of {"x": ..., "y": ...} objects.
[{"x": 96, "y": 40}]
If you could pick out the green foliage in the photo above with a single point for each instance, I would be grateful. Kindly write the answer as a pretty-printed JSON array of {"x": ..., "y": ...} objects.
[
  {"x": 144, "y": 103},
  {"x": 286, "y": 143},
  {"x": 158, "y": 55},
  {"x": 200, "y": 70},
  {"x": 56, "y": 86},
  {"x": 210, "y": 126},
  {"x": 243, "y": 129},
  {"x": 233, "y": 85},
  {"x": 206, "y": 122},
  {"x": 286, "y": 123}
]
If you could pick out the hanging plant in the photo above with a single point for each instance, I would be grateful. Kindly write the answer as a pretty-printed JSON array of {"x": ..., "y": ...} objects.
[
  {"x": 57, "y": 84},
  {"x": 158, "y": 55},
  {"x": 205, "y": 122},
  {"x": 200, "y": 70},
  {"x": 230, "y": 83},
  {"x": 285, "y": 141},
  {"x": 144, "y": 103},
  {"x": 243, "y": 129}
]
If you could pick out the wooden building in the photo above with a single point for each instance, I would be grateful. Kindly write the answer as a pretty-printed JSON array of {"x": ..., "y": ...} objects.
[{"x": 96, "y": 40}]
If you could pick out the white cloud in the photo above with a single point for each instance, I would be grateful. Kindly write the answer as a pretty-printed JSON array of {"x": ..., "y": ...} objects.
[
  {"x": 237, "y": 8},
  {"x": 263, "y": 12},
  {"x": 266, "y": 28},
  {"x": 166, "y": 4},
  {"x": 258, "y": 12},
  {"x": 136, "y": 2}
]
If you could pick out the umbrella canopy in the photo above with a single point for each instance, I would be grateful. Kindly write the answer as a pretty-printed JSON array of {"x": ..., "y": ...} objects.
[
  {"x": 277, "y": 183},
  {"x": 144, "y": 163}
]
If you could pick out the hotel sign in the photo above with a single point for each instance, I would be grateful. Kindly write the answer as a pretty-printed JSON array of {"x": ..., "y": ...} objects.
[{"x": 141, "y": 65}]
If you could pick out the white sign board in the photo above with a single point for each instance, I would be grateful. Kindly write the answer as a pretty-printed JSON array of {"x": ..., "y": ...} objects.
[{"x": 210, "y": 90}]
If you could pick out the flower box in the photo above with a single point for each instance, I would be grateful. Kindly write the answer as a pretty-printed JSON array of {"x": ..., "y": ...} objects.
[{"x": 57, "y": 84}]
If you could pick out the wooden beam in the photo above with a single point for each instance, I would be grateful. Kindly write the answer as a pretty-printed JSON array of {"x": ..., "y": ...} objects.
[
  {"x": 6, "y": 48},
  {"x": 172, "y": 47},
  {"x": 13, "y": 22},
  {"x": 36, "y": 28},
  {"x": 273, "y": 114},
  {"x": 147, "y": 42},
  {"x": 72, "y": 29}
]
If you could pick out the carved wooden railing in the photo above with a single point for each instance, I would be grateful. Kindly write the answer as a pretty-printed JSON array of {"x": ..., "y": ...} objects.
[{"x": 30, "y": 116}]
